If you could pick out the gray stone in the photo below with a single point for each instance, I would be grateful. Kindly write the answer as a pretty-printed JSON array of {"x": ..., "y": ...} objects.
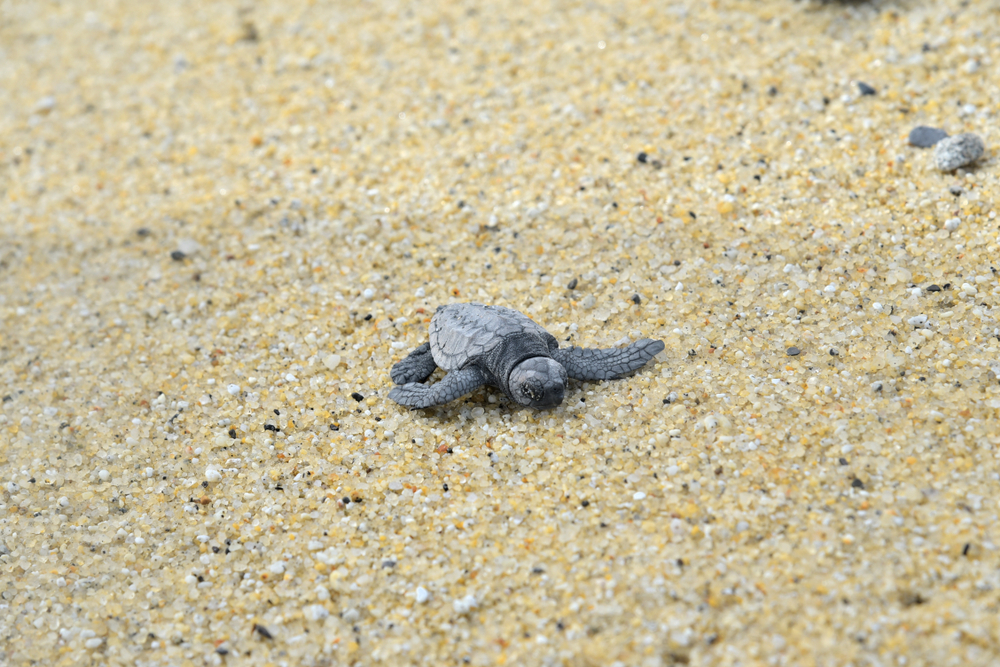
[
  {"x": 958, "y": 151},
  {"x": 925, "y": 137}
]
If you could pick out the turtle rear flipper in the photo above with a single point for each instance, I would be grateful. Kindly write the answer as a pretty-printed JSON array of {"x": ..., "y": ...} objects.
[
  {"x": 454, "y": 385},
  {"x": 416, "y": 367},
  {"x": 592, "y": 364}
]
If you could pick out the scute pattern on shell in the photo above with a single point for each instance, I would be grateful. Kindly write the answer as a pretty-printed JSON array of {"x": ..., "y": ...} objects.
[{"x": 460, "y": 332}]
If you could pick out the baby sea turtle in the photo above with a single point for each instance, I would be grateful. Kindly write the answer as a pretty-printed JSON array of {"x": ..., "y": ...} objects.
[{"x": 491, "y": 345}]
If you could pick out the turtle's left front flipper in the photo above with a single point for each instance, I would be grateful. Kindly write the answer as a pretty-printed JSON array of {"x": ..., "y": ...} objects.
[
  {"x": 416, "y": 367},
  {"x": 592, "y": 364},
  {"x": 454, "y": 385}
]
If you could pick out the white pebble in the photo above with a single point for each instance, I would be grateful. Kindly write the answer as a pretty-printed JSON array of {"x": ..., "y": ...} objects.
[
  {"x": 398, "y": 345},
  {"x": 213, "y": 475},
  {"x": 45, "y": 105},
  {"x": 830, "y": 289},
  {"x": 369, "y": 293},
  {"x": 877, "y": 307},
  {"x": 321, "y": 593},
  {"x": 465, "y": 605},
  {"x": 188, "y": 246},
  {"x": 638, "y": 495},
  {"x": 93, "y": 642},
  {"x": 969, "y": 289},
  {"x": 12, "y": 487},
  {"x": 315, "y": 612},
  {"x": 918, "y": 321},
  {"x": 419, "y": 293},
  {"x": 233, "y": 389},
  {"x": 331, "y": 361},
  {"x": 291, "y": 378},
  {"x": 277, "y": 568},
  {"x": 203, "y": 538},
  {"x": 63, "y": 501},
  {"x": 952, "y": 224},
  {"x": 421, "y": 595},
  {"x": 104, "y": 475}
]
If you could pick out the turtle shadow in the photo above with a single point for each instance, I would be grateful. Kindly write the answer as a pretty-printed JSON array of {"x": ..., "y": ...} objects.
[{"x": 480, "y": 399}]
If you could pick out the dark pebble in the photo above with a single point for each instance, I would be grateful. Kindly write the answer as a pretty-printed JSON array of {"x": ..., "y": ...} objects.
[
  {"x": 833, "y": 352},
  {"x": 955, "y": 190},
  {"x": 857, "y": 483},
  {"x": 388, "y": 564},
  {"x": 177, "y": 255},
  {"x": 262, "y": 631},
  {"x": 865, "y": 88},
  {"x": 933, "y": 288},
  {"x": 142, "y": 232},
  {"x": 345, "y": 500},
  {"x": 636, "y": 299},
  {"x": 642, "y": 157},
  {"x": 357, "y": 397},
  {"x": 572, "y": 284},
  {"x": 793, "y": 351},
  {"x": 232, "y": 433},
  {"x": 925, "y": 137}
]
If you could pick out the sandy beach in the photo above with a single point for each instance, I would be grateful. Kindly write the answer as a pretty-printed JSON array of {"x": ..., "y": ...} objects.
[{"x": 221, "y": 224}]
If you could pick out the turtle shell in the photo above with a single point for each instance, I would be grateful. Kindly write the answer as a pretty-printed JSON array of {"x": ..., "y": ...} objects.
[{"x": 464, "y": 333}]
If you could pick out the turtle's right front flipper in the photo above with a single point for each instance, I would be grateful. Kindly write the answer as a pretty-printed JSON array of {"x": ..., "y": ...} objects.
[
  {"x": 416, "y": 367},
  {"x": 590, "y": 364},
  {"x": 454, "y": 385}
]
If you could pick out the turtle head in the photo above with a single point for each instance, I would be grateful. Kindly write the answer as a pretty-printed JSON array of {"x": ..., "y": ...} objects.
[{"x": 538, "y": 382}]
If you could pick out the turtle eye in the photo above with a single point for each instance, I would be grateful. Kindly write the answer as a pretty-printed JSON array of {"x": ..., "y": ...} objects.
[{"x": 533, "y": 389}]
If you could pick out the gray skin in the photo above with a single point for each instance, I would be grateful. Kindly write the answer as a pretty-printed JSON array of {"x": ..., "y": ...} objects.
[{"x": 491, "y": 345}]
